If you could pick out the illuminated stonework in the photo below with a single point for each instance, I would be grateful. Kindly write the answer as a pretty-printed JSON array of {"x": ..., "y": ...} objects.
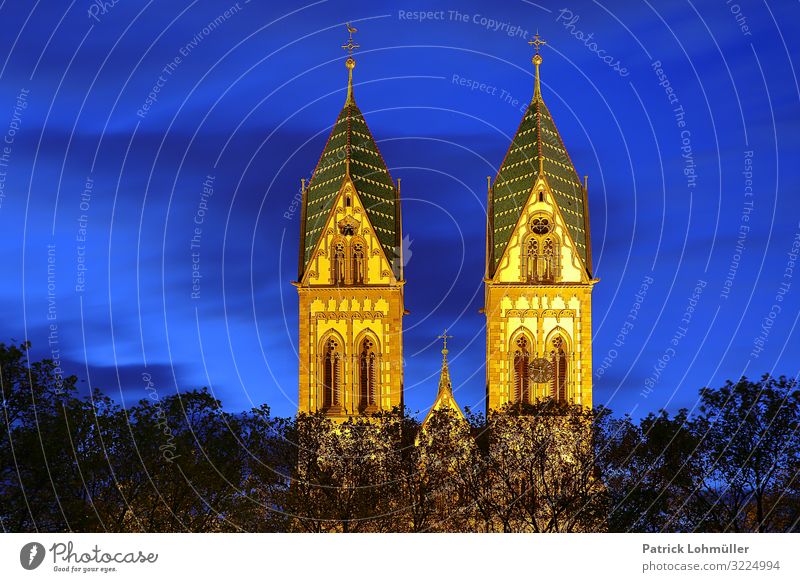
[
  {"x": 350, "y": 281},
  {"x": 538, "y": 281}
]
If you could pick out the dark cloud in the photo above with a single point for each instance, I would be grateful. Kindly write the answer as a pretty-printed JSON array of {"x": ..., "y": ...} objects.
[{"x": 258, "y": 125}]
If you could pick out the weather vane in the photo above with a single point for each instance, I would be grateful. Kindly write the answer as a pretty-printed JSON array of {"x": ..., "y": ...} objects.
[
  {"x": 350, "y": 46},
  {"x": 537, "y": 42}
]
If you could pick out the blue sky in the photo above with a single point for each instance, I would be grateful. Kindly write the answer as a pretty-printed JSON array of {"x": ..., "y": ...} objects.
[{"x": 696, "y": 198}]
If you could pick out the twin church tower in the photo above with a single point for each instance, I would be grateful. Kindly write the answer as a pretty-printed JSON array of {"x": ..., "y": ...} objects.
[{"x": 538, "y": 278}]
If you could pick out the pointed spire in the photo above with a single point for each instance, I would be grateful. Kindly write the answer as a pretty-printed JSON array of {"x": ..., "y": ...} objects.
[
  {"x": 350, "y": 63},
  {"x": 397, "y": 260},
  {"x": 537, "y": 150},
  {"x": 350, "y": 152},
  {"x": 536, "y": 43},
  {"x": 444, "y": 397},
  {"x": 445, "y": 385}
]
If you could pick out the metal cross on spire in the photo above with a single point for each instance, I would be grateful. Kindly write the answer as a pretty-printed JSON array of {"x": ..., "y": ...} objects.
[
  {"x": 350, "y": 63},
  {"x": 350, "y": 46},
  {"x": 537, "y": 42},
  {"x": 445, "y": 337}
]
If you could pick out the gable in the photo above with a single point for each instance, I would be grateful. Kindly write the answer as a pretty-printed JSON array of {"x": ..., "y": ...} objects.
[
  {"x": 349, "y": 224},
  {"x": 536, "y": 151},
  {"x": 509, "y": 266},
  {"x": 350, "y": 152}
]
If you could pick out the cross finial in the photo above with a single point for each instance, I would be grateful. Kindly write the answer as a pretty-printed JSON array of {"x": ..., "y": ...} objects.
[
  {"x": 537, "y": 42},
  {"x": 350, "y": 63},
  {"x": 350, "y": 46},
  {"x": 445, "y": 337}
]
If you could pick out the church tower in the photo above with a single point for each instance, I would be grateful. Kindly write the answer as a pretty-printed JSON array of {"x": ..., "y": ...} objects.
[
  {"x": 350, "y": 281},
  {"x": 538, "y": 281}
]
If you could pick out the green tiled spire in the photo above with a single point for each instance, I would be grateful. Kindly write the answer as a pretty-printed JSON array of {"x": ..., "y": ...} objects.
[
  {"x": 351, "y": 149},
  {"x": 536, "y": 147}
]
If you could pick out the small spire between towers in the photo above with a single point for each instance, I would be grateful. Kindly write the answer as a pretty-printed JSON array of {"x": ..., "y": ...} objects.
[{"x": 444, "y": 397}]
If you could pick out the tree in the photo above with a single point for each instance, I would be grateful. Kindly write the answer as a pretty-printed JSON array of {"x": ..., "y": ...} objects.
[
  {"x": 543, "y": 465},
  {"x": 446, "y": 458},
  {"x": 188, "y": 467},
  {"x": 54, "y": 470},
  {"x": 751, "y": 454},
  {"x": 652, "y": 471},
  {"x": 182, "y": 463},
  {"x": 345, "y": 474}
]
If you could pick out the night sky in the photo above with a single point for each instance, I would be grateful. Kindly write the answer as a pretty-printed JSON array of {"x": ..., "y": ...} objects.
[{"x": 127, "y": 126}]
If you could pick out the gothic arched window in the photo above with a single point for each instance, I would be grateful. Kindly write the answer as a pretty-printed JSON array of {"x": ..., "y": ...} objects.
[
  {"x": 368, "y": 374},
  {"x": 359, "y": 264},
  {"x": 331, "y": 374},
  {"x": 522, "y": 357},
  {"x": 548, "y": 267},
  {"x": 338, "y": 263},
  {"x": 560, "y": 368},
  {"x": 541, "y": 256},
  {"x": 532, "y": 259}
]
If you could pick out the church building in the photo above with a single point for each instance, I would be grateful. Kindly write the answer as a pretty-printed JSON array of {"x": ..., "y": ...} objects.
[{"x": 538, "y": 276}]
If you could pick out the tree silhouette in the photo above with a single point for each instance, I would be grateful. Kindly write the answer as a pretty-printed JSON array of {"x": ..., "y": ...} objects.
[{"x": 180, "y": 462}]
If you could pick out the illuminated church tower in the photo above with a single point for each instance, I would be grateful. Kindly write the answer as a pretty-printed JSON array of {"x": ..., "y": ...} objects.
[
  {"x": 538, "y": 281},
  {"x": 350, "y": 280}
]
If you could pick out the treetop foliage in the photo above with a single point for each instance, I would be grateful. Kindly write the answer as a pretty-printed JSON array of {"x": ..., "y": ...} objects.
[{"x": 180, "y": 462}]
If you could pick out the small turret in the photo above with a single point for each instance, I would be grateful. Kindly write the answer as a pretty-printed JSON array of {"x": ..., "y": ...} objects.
[{"x": 444, "y": 397}]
